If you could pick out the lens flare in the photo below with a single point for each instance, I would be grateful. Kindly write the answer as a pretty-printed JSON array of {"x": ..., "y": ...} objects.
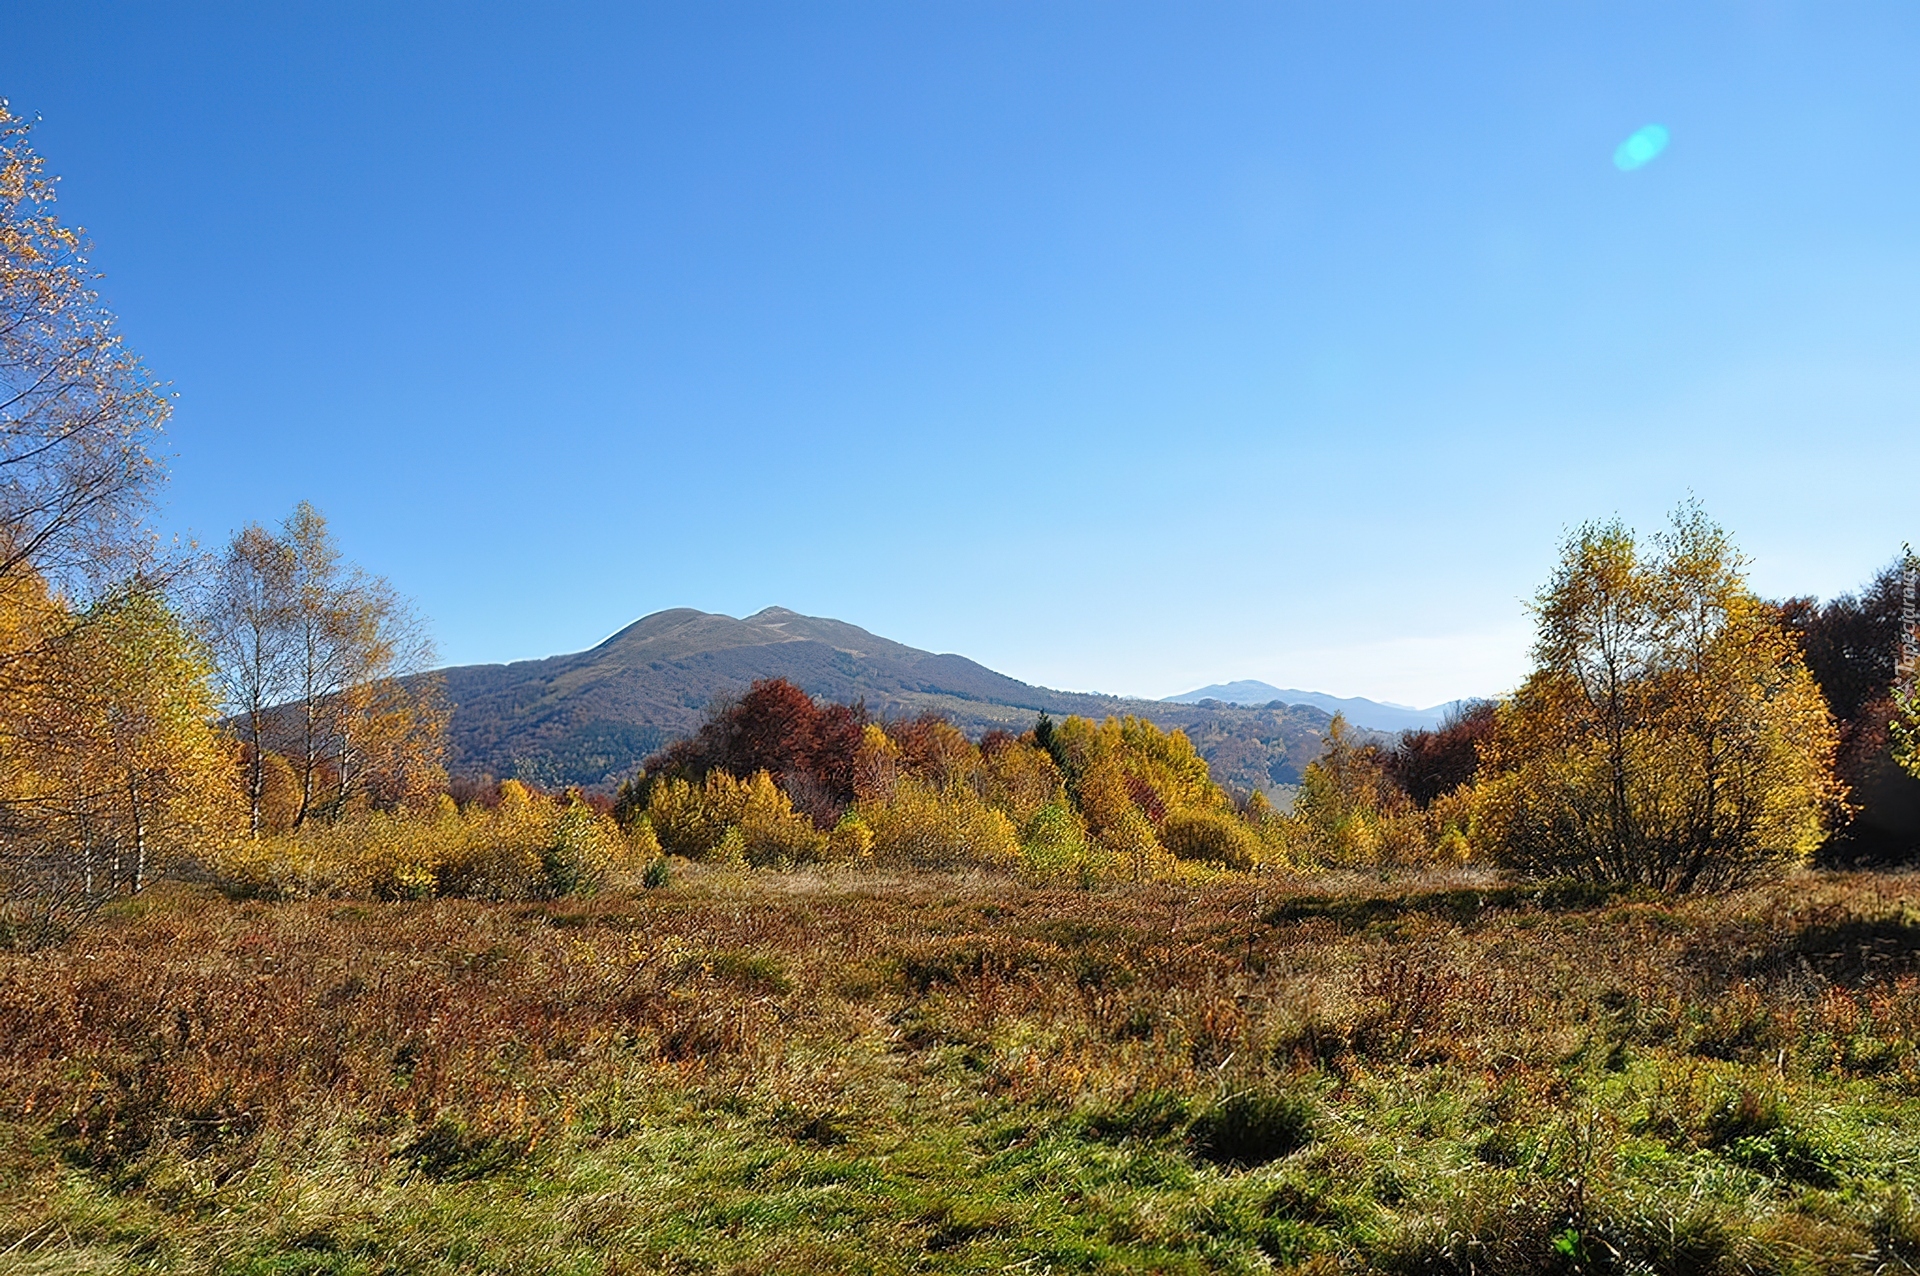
[{"x": 1641, "y": 149}]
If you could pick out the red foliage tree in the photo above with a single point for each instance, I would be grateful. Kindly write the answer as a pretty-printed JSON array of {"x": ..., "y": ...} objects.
[
  {"x": 777, "y": 728},
  {"x": 1849, "y": 643},
  {"x": 1431, "y": 764}
]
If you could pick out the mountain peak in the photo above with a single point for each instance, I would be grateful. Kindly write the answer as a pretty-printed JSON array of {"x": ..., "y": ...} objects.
[
  {"x": 652, "y": 625},
  {"x": 590, "y": 717}
]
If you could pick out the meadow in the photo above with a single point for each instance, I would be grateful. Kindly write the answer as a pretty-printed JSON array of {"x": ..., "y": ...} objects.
[{"x": 840, "y": 1069}]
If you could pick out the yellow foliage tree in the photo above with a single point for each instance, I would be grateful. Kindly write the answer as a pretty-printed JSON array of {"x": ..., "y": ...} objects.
[
  {"x": 77, "y": 412},
  {"x": 771, "y": 831},
  {"x": 1349, "y": 813},
  {"x": 876, "y": 765},
  {"x": 723, "y": 818},
  {"x": 160, "y": 775},
  {"x": 110, "y": 767},
  {"x": 1020, "y": 779},
  {"x": 1670, "y": 734}
]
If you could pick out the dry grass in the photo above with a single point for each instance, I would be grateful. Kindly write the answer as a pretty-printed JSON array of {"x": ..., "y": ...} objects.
[{"x": 852, "y": 1071}]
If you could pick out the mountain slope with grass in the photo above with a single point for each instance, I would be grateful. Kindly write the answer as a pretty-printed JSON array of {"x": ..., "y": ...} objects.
[{"x": 590, "y": 717}]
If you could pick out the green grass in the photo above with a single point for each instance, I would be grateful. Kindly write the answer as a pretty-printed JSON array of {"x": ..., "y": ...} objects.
[{"x": 926, "y": 1074}]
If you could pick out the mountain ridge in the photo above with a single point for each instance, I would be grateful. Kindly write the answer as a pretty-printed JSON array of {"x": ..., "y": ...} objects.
[
  {"x": 590, "y": 717},
  {"x": 1374, "y": 715}
]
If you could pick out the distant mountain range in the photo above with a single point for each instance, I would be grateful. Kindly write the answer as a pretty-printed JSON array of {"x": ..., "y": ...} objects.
[
  {"x": 1361, "y": 712},
  {"x": 590, "y": 718}
]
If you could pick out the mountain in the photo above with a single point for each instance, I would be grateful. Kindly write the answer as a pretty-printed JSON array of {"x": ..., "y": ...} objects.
[
  {"x": 1361, "y": 712},
  {"x": 590, "y": 718}
]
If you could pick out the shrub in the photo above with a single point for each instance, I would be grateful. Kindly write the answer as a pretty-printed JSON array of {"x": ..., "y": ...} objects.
[
  {"x": 644, "y": 842},
  {"x": 1127, "y": 777},
  {"x": 771, "y": 831},
  {"x": 1019, "y": 777},
  {"x": 585, "y": 850},
  {"x": 1054, "y": 840},
  {"x": 925, "y": 794},
  {"x": 723, "y": 819},
  {"x": 1130, "y": 841},
  {"x": 1054, "y": 845},
  {"x": 851, "y": 840},
  {"x": 529, "y": 846},
  {"x": 939, "y": 827},
  {"x": 1211, "y": 837},
  {"x": 1350, "y": 813},
  {"x": 502, "y": 853},
  {"x": 690, "y": 819}
]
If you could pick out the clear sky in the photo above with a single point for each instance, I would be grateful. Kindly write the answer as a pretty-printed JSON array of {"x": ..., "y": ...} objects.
[{"x": 1120, "y": 347}]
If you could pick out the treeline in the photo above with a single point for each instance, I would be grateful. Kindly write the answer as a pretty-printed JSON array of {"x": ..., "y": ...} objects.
[
  {"x": 776, "y": 779},
  {"x": 1850, "y": 645},
  {"x": 1678, "y": 733}
]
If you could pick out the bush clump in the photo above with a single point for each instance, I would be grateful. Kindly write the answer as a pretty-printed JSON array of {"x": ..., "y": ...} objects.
[
  {"x": 723, "y": 819},
  {"x": 1210, "y": 837},
  {"x": 1079, "y": 800},
  {"x": 924, "y": 825},
  {"x": 526, "y": 846}
]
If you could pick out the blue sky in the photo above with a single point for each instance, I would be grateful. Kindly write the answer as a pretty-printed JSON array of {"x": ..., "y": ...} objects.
[{"x": 1118, "y": 346}]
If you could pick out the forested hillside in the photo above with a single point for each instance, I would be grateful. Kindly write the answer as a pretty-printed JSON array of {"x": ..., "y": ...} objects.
[{"x": 589, "y": 718}]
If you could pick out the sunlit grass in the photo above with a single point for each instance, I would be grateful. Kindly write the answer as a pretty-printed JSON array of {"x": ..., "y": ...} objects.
[{"x": 848, "y": 1071}]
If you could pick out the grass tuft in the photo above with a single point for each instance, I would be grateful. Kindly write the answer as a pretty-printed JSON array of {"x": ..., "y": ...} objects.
[{"x": 1254, "y": 1127}]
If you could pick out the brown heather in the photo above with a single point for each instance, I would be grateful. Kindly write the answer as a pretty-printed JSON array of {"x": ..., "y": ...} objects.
[{"x": 854, "y": 1071}]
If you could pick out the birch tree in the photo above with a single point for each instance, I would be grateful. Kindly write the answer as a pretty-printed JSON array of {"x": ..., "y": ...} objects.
[
  {"x": 323, "y": 665},
  {"x": 1670, "y": 734},
  {"x": 78, "y": 410},
  {"x": 102, "y": 727},
  {"x": 248, "y": 629}
]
